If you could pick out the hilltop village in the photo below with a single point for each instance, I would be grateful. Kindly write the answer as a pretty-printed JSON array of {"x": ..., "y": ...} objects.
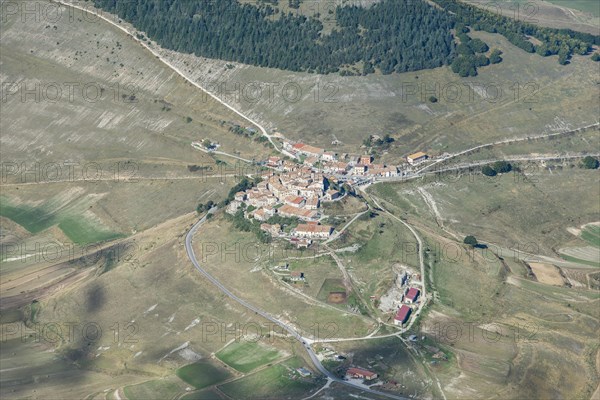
[
  {"x": 297, "y": 189},
  {"x": 295, "y": 192}
]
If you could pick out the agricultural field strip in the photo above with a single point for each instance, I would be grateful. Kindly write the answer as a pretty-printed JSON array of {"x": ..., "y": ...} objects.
[{"x": 121, "y": 179}]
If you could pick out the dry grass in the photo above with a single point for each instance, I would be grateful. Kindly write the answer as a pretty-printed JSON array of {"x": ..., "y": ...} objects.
[
  {"x": 352, "y": 108},
  {"x": 547, "y": 273},
  {"x": 237, "y": 258},
  {"x": 580, "y": 15}
]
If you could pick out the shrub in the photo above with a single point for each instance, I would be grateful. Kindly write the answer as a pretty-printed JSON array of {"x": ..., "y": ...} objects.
[
  {"x": 488, "y": 171},
  {"x": 470, "y": 240},
  {"x": 590, "y": 162},
  {"x": 502, "y": 167}
]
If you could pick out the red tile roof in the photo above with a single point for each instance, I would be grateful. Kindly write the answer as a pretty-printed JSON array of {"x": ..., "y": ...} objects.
[
  {"x": 313, "y": 228},
  {"x": 360, "y": 372},
  {"x": 294, "y": 199},
  {"x": 413, "y": 293},
  {"x": 403, "y": 313}
]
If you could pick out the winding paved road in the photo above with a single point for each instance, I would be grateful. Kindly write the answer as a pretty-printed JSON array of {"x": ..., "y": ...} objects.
[{"x": 305, "y": 342}]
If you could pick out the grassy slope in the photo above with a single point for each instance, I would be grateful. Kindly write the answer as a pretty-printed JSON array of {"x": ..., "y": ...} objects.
[
  {"x": 511, "y": 210},
  {"x": 122, "y": 153},
  {"x": 246, "y": 356},
  {"x": 352, "y": 108},
  {"x": 580, "y": 15},
  {"x": 108, "y": 132},
  {"x": 270, "y": 383},
  {"x": 202, "y": 374},
  {"x": 240, "y": 260},
  {"x": 160, "y": 271},
  {"x": 537, "y": 324}
]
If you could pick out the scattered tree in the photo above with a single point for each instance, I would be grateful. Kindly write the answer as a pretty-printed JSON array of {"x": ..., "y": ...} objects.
[
  {"x": 478, "y": 46},
  {"x": 200, "y": 208},
  {"x": 502, "y": 167},
  {"x": 590, "y": 162},
  {"x": 495, "y": 56},
  {"x": 563, "y": 56},
  {"x": 488, "y": 171},
  {"x": 470, "y": 240}
]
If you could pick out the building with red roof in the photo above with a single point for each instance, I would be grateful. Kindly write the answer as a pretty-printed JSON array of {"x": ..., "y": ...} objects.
[
  {"x": 361, "y": 373},
  {"x": 412, "y": 295},
  {"x": 402, "y": 315}
]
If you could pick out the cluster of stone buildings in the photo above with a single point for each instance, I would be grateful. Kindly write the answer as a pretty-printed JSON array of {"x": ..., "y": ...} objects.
[
  {"x": 296, "y": 192},
  {"x": 345, "y": 165},
  {"x": 329, "y": 162}
]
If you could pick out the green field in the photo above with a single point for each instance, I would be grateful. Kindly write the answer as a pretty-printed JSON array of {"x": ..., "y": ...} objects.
[
  {"x": 276, "y": 382},
  {"x": 246, "y": 356},
  {"x": 330, "y": 285},
  {"x": 587, "y": 255},
  {"x": 201, "y": 395},
  {"x": 78, "y": 228},
  {"x": 160, "y": 389},
  {"x": 201, "y": 374},
  {"x": 79, "y": 232},
  {"x": 316, "y": 270},
  {"x": 580, "y": 260},
  {"x": 34, "y": 219},
  {"x": 384, "y": 243},
  {"x": 591, "y": 234}
]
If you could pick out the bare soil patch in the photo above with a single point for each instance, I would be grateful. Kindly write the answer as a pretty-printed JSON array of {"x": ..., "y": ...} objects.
[
  {"x": 547, "y": 273},
  {"x": 337, "y": 297}
]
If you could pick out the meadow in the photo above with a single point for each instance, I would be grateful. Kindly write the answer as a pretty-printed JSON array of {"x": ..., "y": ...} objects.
[
  {"x": 201, "y": 374},
  {"x": 579, "y": 15},
  {"x": 153, "y": 390},
  {"x": 499, "y": 323},
  {"x": 271, "y": 383},
  {"x": 522, "y": 95},
  {"x": 248, "y": 355}
]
